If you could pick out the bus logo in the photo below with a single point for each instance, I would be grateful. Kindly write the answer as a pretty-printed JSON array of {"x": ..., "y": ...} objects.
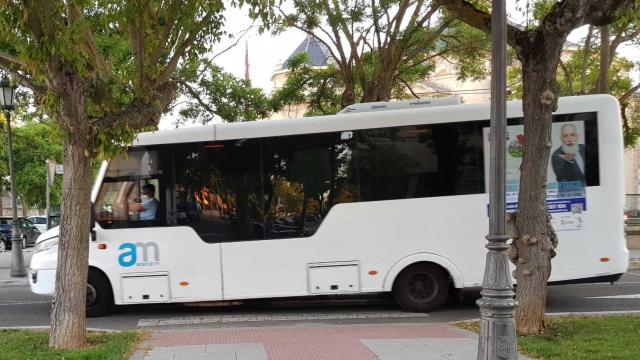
[{"x": 129, "y": 256}]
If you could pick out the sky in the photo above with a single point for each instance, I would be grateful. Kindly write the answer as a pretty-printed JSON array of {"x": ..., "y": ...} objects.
[{"x": 267, "y": 51}]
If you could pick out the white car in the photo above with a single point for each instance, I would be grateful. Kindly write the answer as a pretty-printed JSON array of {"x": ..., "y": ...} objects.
[{"x": 40, "y": 222}]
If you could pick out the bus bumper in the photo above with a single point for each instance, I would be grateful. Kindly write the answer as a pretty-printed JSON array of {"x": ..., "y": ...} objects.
[{"x": 42, "y": 281}]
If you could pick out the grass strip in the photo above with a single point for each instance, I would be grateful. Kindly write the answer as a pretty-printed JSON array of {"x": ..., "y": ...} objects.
[
  {"x": 607, "y": 337},
  {"x": 33, "y": 345},
  {"x": 583, "y": 338}
]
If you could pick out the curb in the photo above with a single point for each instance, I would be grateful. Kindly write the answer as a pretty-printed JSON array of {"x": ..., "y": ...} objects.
[
  {"x": 8, "y": 283},
  {"x": 140, "y": 353},
  {"x": 47, "y": 327}
]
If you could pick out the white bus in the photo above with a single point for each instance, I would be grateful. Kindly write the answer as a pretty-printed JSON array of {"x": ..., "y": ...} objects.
[{"x": 363, "y": 202}]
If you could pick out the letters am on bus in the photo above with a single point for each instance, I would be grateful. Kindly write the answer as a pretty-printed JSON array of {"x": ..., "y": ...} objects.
[
  {"x": 361, "y": 202},
  {"x": 130, "y": 251}
]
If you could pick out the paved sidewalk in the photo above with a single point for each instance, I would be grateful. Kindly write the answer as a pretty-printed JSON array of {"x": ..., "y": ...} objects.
[
  {"x": 5, "y": 269},
  {"x": 335, "y": 342}
]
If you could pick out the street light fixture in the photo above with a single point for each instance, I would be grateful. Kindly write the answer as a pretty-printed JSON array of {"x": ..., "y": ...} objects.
[{"x": 7, "y": 98}]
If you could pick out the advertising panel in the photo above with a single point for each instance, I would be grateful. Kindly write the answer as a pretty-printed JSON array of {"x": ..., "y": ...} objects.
[{"x": 566, "y": 179}]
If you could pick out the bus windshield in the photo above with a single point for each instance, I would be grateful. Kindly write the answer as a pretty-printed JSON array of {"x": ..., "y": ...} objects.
[{"x": 130, "y": 183}]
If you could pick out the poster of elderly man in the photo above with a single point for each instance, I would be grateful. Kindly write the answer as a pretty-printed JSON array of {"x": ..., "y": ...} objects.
[
  {"x": 568, "y": 159},
  {"x": 566, "y": 172}
]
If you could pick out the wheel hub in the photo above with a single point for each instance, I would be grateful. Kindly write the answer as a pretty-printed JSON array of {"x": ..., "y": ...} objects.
[
  {"x": 92, "y": 294},
  {"x": 421, "y": 287}
]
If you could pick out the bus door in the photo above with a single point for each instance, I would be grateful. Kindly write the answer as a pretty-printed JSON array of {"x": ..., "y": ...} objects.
[{"x": 151, "y": 253}]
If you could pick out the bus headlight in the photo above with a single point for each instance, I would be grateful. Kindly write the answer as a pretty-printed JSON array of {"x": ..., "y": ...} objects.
[{"x": 45, "y": 245}]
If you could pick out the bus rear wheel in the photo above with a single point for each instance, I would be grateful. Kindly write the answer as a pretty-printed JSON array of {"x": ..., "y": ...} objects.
[
  {"x": 421, "y": 287},
  {"x": 99, "y": 294}
]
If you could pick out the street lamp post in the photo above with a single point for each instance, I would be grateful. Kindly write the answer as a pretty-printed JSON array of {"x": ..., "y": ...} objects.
[
  {"x": 497, "y": 306},
  {"x": 7, "y": 97}
]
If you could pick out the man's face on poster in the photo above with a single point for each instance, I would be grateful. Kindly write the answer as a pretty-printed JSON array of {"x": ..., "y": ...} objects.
[{"x": 569, "y": 138}]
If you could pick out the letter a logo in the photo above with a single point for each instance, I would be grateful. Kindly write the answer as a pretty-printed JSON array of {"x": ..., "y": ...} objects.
[{"x": 127, "y": 258}]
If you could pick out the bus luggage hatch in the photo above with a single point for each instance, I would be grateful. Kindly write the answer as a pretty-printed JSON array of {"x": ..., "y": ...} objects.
[
  {"x": 333, "y": 277},
  {"x": 145, "y": 288}
]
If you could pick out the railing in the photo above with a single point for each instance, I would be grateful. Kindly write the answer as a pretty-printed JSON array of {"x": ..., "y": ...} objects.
[{"x": 632, "y": 214}]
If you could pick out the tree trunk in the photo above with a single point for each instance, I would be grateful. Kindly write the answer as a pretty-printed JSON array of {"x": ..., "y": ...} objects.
[
  {"x": 533, "y": 248},
  {"x": 25, "y": 209},
  {"x": 349, "y": 93},
  {"x": 380, "y": 88},
  {"x": 384, "y": 84},
  {"x": 585, "y": 62},
  {"x": 68, "y": 323},
  {"x": 603, "y": 76}
]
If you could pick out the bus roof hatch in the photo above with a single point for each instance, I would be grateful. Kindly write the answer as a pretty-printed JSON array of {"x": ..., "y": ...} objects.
[{"x": 397, "y": 105}]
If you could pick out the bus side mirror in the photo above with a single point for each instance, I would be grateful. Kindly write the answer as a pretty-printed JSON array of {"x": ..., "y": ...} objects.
[{"x": 92, "y": 222}]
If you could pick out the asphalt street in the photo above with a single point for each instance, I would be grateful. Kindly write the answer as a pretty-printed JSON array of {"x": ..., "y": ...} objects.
[{"x": 19, "y": 307}]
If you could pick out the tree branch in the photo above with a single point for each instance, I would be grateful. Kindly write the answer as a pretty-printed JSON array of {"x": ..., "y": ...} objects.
[
  {"x": 36, "y": 21},
  {"x": 376, "y": 23},
  {"x": 17, "y": 71},
  {"x": 345, "y": 29},
  {"x": 438, "y": 54},
  {"x": 432, "y": 10},
  {"x": 140, "y": 113},
  {"x": 624, "y": 103},
  {"x": 408, "y": 86},
  {"x": 620, "y": 39},
  {"x": 479, "y": 19},
  {"x": 585, "y": 58},
  {"x": 318, "y": 99},
  {"x": 196, "y": 96},
  {"x": 567, "y": 77},
  {"x": 402, "y": 10},
  {"x": 75, "y": 14},
  {"x": 12, "y": 62},
  {"x": 242, "y": 34},
  {"x": 340, "y": 60},
  {"x": 163, "y": 39},
  {"x": 604, "y": 12},
  {"x": 180, "y": 50},
  {"x": 625, "y": 97}
]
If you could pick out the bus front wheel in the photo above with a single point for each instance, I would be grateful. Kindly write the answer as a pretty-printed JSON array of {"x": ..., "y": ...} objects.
[
  {"x": 421, "y": 287},
  {"x": 99, "y": 294}
]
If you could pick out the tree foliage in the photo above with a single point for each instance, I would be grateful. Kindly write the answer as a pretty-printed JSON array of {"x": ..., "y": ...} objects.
[
  {"x": 33, "y": 144},
  {"x": 580, "y": 65},
  {"x": 103, "y": 70},
  {"x": 378, "y": 48},
  {"x": 318, "y": 88},
  {"x": 216, "y": 94},
  {"x": 538, "y": 47}
]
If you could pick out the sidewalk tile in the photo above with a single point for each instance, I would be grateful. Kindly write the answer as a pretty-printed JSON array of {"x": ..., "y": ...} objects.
[
  {"x": 203, "y": 356},
  {"x": 350, "y": 342}
]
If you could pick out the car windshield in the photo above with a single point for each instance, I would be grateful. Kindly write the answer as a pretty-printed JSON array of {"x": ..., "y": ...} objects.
[
  {"x": 38, "y": 220},
  {"x": 5, "y": 221}
]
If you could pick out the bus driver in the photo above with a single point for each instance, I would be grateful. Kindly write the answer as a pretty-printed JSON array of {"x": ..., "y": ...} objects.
[{"x": 148, "y": 204}]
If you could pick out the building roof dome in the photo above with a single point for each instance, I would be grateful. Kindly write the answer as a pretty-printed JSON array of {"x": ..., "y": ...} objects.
[{"x": 318, "y": 52}]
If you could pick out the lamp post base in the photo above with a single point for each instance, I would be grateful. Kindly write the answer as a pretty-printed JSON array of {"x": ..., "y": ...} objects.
[
  {"x": 18, "y": 268},
  {"x": 497, "y": 338},
  {"x": 497, "y": 329}
]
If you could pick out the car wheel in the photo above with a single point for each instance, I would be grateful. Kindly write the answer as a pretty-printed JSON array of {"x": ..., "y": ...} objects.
[
  {"x": 24, "y": 242},
  {"x": 99, "y": 294},
  {"x": 421, "y": 287},
  {"x": 2, "y": 246}
]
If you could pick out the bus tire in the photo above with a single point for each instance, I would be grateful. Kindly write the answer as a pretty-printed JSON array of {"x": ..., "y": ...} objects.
[
  {"x": 421, "y": 287},
  {"x": 99, "y": 294}
]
